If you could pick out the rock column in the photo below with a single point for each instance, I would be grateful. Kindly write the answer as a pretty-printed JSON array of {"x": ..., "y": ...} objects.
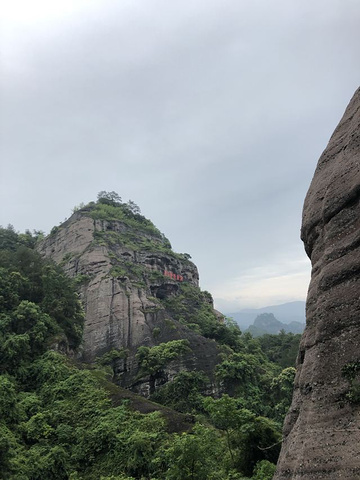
[{"x": 322, "y": 428}]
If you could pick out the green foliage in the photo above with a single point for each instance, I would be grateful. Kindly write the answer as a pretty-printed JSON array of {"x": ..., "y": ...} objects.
[
  {"x": 282, "y": 348},
  {"x": 351, "y": 372},
  {"x": 110, "y": 357},
  {"x": 156, "y": 332},
  {"x": 8, "y": 407},
  {"x": 8, "y": 446},
  {"x": 184, "y": 394},
  {"x": 78, "y": 207},
  {"x": 57, "y": 421},
  {"x": 37, "y": 300},
  {"x": 109, "y": 198},
  {"x": 82, "y": 279},
  {"x": 247, "y": 374},
  {"x": 264, "y": 470},
  {"x": 54, "y": 230},
  {"x": 155, "y": 276},
  {"x": 10, "y": 240},
  {"x": 25, "y": 332},
  {"x": 153, "y": 359},
  {"x": 248, "y": 437},
  {"x": 282, "y": 389},
  {"x": 68, "y": 256},
  {"x": 118, "y": 272},
  {"x": 68, "y": 425},
  {"x": 141, "y": 233},
  {"x": 110, "y": 210},
  {"x": 136, "y": 241},
  {"x": 193, "y": 307},
  {"x": 195, "y": 456}
]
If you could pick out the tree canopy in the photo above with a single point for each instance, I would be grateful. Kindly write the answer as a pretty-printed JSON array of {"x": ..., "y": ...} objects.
[{"x": 57, "y": 419}]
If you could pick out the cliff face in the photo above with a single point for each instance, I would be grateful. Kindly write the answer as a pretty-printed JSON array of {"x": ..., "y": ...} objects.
[
  {"x": 322, "y": 428},
  {"x": 126, "y": 270}
]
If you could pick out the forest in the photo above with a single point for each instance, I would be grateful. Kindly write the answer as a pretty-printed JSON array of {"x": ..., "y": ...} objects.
[{"x": 58, "y": 417}]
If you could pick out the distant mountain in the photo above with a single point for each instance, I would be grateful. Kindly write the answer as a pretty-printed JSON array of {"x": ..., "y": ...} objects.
[
  {"x": 267, "y": 323},
  {"x": 285, "y": 313}
]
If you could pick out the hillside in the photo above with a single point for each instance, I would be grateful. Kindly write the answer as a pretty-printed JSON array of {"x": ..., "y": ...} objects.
[
  {"x": 216, "y": 398},
  {"x": 285, "y": 313},
  {"x": 130, "y": 281},
  {"x": 267, "y": 323}
]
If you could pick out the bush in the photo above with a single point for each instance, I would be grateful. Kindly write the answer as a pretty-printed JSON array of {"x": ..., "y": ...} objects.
[
  {"x": 153, "y": 359},
  {"x": 264, "y": 470}
]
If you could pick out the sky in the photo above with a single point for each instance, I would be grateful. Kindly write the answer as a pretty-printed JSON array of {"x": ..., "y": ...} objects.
[{"x": 210, "y": 115}]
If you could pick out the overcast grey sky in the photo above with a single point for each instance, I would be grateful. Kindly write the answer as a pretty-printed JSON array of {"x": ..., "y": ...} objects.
[{"x": 211, "y": 115}]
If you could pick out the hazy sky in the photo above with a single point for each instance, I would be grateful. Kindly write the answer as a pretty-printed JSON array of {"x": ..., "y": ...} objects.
[{"x": 211, "y": 115}]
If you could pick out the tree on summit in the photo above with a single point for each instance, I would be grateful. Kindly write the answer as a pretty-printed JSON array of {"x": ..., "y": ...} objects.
[
  {"x": 133, "y": 207},
  {"x": 110, "y": 198}
]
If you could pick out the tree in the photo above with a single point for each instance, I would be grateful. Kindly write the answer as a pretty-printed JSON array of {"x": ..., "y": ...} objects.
[
  {"x": 264, "y": 470},
  {"x": 153, "y": 359},
  {"x": 226, "y": 414},
  {"x": 282, "y": 389},
  {"x": 184, "y": 392},
  {"x": 110, "y": 198},
  {"x": 281, "y": 348},
  {"x": 133, "y": 207},
  {"x": 8, "y": 238},
  {"x": 194, "y": 456},
  {"x": 249, "y": 438}
]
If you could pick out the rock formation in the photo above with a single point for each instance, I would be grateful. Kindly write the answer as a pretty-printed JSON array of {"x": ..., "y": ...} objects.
[
  {"x": 125, "y": 268},
  {"x": 322, "y": 428}
]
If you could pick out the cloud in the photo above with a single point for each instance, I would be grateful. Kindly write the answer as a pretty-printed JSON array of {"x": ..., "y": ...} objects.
[
  {"x": 273, "y": 284},
  {"x": 210, "y": 115}
]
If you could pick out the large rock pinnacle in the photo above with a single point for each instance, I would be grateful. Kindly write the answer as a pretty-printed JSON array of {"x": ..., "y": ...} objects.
[
  {"x": 322, "y": 428},
  {"x": 126, "y": 271}
]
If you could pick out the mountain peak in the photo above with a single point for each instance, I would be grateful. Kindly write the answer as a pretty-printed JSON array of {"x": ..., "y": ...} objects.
[{"x": 129, "y": 280}]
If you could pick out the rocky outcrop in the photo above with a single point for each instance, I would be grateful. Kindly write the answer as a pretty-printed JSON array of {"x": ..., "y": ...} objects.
[
  {"x": 322, "y": 428},
  {"x": 125, "y": 269}
]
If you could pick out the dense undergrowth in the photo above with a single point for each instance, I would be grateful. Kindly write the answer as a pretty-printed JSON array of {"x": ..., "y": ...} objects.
[{"x": 57, "y": 420}]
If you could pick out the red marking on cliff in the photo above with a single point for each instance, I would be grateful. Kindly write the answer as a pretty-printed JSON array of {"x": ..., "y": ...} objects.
[{"x": 174, "y": 276}]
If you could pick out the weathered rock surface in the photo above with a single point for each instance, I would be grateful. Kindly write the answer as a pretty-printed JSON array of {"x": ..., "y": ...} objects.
[
  {"x": 322, "y": 428},
  {"x": 121, "y": 271}
]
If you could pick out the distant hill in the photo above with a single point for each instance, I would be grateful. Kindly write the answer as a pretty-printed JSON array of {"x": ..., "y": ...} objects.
[
  {"x": 267, "y": 323},
  {"x": 285, "y": 313}
]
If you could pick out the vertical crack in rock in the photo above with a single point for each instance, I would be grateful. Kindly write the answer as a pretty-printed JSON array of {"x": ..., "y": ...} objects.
[
  {"x": 111, "y": 314},
  {"x": 322, "y": 428},
  {"x": 129, "y": 320}
]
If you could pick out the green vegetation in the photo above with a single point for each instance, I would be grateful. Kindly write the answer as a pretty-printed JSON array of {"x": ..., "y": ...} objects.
[
  {"x": 184, "y": 393},
  {"x": 282, "y": 348},
  {"x": 142, "y": 233},
  {"x": 351, "y": 371},
  {"x": 108, "y": 209},
  {"x": 193, "y": 308},
  {"x": 153, "y": 359},
  {"x": 247, "y": 436},
  {"x": 156, "y": 332},
  {"x": 66, "y": 426},
  {"x": 111, "y": 356},
  {"x": 281, "y": 392},
  {"x": 38, "y": 302},
  {"x": 57, "y": 419}
]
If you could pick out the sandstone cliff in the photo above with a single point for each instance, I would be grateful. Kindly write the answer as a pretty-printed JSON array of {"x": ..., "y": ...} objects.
[
  {"x": 126, "y": 271},
  {"x": 322, "y": 428}
]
